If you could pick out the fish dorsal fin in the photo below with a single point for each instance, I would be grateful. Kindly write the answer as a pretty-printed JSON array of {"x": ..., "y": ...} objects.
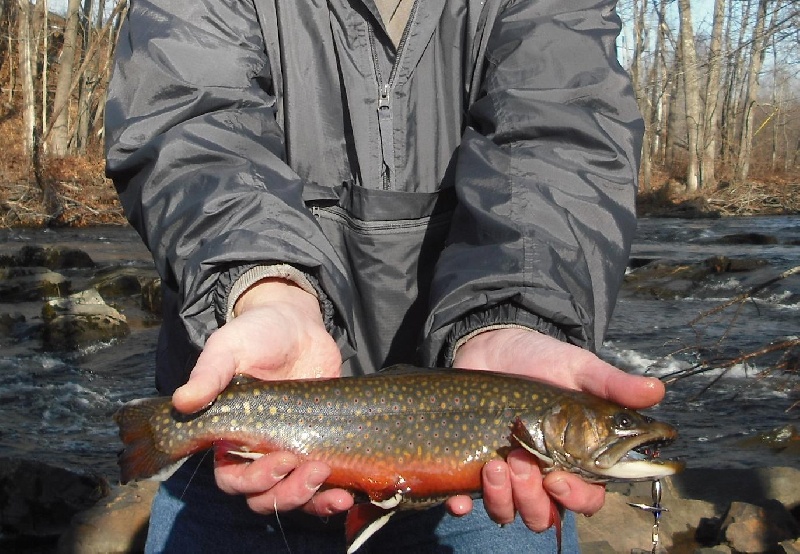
[
  {"x": 408, "y": 369},
  {"x": 241, "y": 379},
  {"x": 363, "y": 521}
]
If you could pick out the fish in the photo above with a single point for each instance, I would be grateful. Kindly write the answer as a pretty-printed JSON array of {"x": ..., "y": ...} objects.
[{"x": 402, "y": 438}]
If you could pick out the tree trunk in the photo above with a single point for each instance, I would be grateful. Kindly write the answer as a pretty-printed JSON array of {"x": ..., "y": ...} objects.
[
  {"x": 711, "y": 112},
  {"x": 691, "y": 90},
  {"x": 730, "y": 122},
  {"x": 59, "y": 136},
  {"x": 25, "y": 50},
  {"x": 757, "y": 51},
  {"x": 640, "y": 88}
]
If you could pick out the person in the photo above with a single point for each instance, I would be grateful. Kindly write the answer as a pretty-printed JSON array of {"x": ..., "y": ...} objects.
[{"x": 329, "y": 188}]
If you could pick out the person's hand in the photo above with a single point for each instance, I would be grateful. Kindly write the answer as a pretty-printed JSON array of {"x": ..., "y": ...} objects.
[
  {"x": 278, "y": 333},
  {"x": 516, "y": 485}
]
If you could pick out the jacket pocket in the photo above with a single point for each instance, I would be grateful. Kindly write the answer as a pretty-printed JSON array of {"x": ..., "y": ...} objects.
[{"x": 389, "y": 242}]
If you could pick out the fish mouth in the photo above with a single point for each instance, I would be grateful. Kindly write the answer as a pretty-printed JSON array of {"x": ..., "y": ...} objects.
[{"x": 638, "y": 457}]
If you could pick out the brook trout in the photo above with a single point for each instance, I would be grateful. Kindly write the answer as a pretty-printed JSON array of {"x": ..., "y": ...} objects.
[{"x": 404, "y": 437}]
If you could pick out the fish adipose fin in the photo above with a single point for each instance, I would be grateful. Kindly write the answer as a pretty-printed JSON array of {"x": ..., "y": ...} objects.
[
  {"x": 363, "y": 521},
  {"x": 141, "y": 457}
]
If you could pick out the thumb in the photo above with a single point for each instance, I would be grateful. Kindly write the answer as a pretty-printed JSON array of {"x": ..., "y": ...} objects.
[{"x": 211, "y": 374}]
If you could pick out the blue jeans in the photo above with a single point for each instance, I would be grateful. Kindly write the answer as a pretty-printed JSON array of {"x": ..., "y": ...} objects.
[{"x": 192, "y": 516}]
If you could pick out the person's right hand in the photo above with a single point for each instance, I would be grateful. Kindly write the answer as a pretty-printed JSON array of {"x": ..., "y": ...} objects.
[{"x": 278, "y": 333}]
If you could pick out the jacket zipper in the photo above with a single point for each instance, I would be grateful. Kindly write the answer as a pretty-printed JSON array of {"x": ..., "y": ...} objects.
[{"x": 385, "y": 114}]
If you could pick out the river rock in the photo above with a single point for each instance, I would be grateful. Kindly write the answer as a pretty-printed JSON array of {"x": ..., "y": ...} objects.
[
  {"x": 40, "y": 500},
  {"x": 117, "y": 524},
  {"x": 80, "y": 320},
  {"x": 26, "y": 284},
  {"x": 118, "y": 283},
  {"x": 759, "y": 239},
  {"x": 50, "y": 257},
  {"x": 671, "y": 280},
  {"x": 151, "y": 296},
  {"x": 751, "y": 528}
]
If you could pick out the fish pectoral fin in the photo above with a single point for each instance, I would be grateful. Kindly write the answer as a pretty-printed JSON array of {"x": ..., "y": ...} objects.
[
  {"x": 226, "y": 450},
  {"x": 548, "y": 461},
  {"x": 389, "y": 503},
  {"x": 363, "y": 521}
]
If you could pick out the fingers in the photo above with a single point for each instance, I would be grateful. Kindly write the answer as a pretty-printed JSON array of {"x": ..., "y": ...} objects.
[
  {"x": 497, "y": 497},
  {"x": 280, "y": 482},
  {"x": 574, "y": 493},
  {"x": 634, "y": 391},
  {"x": 517, "y": 487},
  {"x": 459, "y": 505}
]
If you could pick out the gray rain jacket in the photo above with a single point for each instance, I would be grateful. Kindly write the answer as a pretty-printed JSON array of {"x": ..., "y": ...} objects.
[{"x": 483, "y": 172}]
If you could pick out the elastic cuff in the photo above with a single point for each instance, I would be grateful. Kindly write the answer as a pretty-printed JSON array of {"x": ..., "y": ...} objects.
[
  {"x": 463, "y": 340},
  {"x": 506, "y": 316},
  {"x": 236, "y": 281},
  {"x": 259, "y": 272}
]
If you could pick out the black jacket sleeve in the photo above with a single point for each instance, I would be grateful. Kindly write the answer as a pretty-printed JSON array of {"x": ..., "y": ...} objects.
[
  {"x": 197, "y": 156},
  {"x": 546, "y": 180}
]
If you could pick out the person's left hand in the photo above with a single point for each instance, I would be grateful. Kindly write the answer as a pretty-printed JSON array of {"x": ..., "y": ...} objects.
[{"x": 517, "y": 485}]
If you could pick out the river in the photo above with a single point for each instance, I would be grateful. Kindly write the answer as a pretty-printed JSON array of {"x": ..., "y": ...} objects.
[{"x": 58, "y": 409}]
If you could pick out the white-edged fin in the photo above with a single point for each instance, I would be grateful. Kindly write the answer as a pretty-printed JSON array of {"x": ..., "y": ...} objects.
[
  {"x": 368, "y": 530},
  {"x": 639, "y": 470},
  {"x": 547, "y": 460},
  {"x": 389, "y": 503},
  {"x": 244, "y": 454},
  {"x": 166, "y": 472}
]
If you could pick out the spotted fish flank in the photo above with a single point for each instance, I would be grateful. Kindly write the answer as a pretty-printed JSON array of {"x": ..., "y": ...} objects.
[{"x": 403, "y": 438}]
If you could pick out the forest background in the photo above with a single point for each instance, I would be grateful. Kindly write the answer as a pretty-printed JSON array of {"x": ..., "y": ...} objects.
[{"x": 716, "y": 80}]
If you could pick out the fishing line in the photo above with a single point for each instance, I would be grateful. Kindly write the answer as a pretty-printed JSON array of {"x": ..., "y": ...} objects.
[
  {"x": 280, "y": 525},
  {"x": 196, "y": 469}
]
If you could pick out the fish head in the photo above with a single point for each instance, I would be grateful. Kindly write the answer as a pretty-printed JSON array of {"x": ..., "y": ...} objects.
[{"x": 599, "y": 440}]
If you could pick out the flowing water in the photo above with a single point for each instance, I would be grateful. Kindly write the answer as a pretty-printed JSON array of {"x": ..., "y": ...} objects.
[{"x": 58, "y": 409}]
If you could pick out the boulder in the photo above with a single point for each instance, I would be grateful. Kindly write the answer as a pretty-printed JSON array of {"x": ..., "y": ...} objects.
[
  {"x": 26, "y": 284},
  {"x": 151, "y": 296},
  {"x": 751, "y": 528},
  {"x": 80, "y": 320},
  {"x": 118, "y": 283},
  {"x": 117, "y": 524},
  {"x": 49, "y": 257},
  {"x": 671, "y": 280},
  {"x": 40, "y": 500}
]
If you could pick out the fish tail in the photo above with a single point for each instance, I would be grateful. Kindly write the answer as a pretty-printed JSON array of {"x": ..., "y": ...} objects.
[{"x": 141, "y": 456}]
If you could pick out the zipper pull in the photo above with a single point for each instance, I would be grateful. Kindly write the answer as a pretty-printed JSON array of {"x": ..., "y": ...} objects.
[
  {"x": 383, "y": 99},
  {"x": 386, "y": 128}
]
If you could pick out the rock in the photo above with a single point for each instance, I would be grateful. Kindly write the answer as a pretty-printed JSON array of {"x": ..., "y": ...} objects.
[
  {"x": 751, "y": 528},
  {"x": 778, "y": 439},
  {"x": 39, "y": 500},
  {"x": 697, "y": 500},
  {"x": 80, "y": 320},
  {"x": 51, "y": 258},
  {"x": 116, "y": 525},
  {"x": 747, "y": 238},
  {"x": 151, "y": 296},
  {"x": 118, "y": 283},
  {"x": 31, "y": 283},
  {"x": 791, "y": 547},
  {"x": 9, "y": 323},
  {"x": 671, "y": 280}
]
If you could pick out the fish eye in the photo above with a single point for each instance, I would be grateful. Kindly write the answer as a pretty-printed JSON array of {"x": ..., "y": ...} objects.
[{"x": 624, "y": 420}]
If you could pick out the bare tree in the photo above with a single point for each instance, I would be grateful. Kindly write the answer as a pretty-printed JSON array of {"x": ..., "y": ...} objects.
[
  {"x": 711, "y": 106},
  {"x": 26, "y": 69},
  {"x": 59, "y": 136},
  {"x": 758, "y": 46},
  {"x": 691, "y": 90}
]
